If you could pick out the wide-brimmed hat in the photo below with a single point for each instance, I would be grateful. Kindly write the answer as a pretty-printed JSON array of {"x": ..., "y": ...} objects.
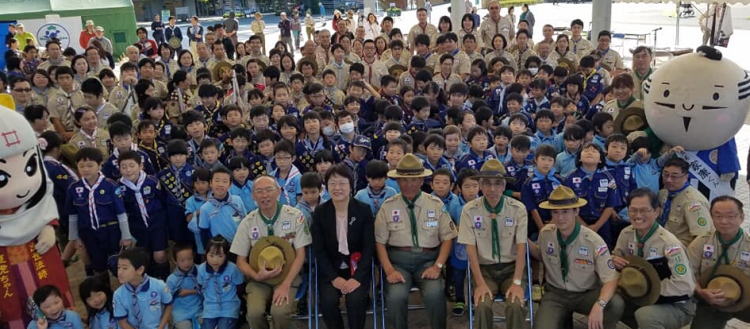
[
  {"x": 639, "y": 282},
  {"x": 396, "y": 70},
  {"x": 409, "y": 167},
  {"x": 563, "y": 197},
  {"x": 567, "y": 63},
  {"x": 734, "y": 283},
  {"x": 273, "y": 252},
  {"x": 493, "y": 168},
  {"x": 630, "y": 120},
  {"x": 216, "y": 72}
]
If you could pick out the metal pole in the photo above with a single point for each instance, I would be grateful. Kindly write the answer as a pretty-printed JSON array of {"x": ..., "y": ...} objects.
[{"x": 677, "y": 30}]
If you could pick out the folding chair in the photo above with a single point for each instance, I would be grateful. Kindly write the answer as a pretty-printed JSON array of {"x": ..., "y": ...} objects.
[
  {"x": 311, "y": 288},
  {"x": 500, "y": 298},
  {"x": 315, "y": 312}
]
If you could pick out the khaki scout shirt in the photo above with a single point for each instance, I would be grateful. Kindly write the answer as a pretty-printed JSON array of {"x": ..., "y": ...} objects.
[
  {"x": 689, "y": 216},
  {"x": 588, "y": 260},
  {"x": 373, "y": 72},
  {"x": 99, "y": 141},
  {"x": 638, "y": 80},
  {"x": 554, "y": 57},
  {"x": 705, "y": 250},
  {"x": 389, "y": 60},
  {"x": 582, "y": 47},
  {"x": 489, "y": 27},
  {"x": 612, "y": 59},
  {"x": 160, "y": 89},
  {"x": 461, "y": 64},
  {"x": 406, "y": 79},
  {"x": 446, "y": 83},
  {"x": 522, "y": 56},
  {"x": 290, "y": 225},
  {"x": 475, "y": 229},
  {"x": 613, "y": 108},
  {"x": 103, "y": 112},
  {"x": 416, "y": 30},
  {"x": 62, "y": 105},
  {"x": 393, "y": 225},
  {"x": 507, "y": 55},
  {"x": 661, "y": 244},
  {"x": 118, "y": 97},
  {"x": 46, "y": 64}
]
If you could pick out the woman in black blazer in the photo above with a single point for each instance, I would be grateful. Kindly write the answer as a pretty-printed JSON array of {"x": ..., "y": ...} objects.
[{"x": 344, "y": 264}]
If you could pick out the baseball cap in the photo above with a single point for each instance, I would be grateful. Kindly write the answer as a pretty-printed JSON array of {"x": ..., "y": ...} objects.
[
  {"x": 19, "y": 25},
  {"x": 100, "y": 29},
  {"x": 89, "y": 22},
  {"x": 362, "y": 141}
]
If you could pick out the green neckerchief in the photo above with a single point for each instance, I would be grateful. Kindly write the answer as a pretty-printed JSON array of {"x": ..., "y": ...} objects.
[
  {"x": 725, "y": 245},
  {"x": 564, "y": 246},
  {"x": 412, "y": 219},
  {"x": 494, "y": 212},
  {"x": 642, "y": 240},
  {"x": 270, "y": 221},
  {"x": 627, "y": 103},
  {"x": 643, "y": 78}
]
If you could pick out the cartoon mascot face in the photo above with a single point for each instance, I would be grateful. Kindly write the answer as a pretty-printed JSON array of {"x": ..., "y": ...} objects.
[
  {"x": 697, "y": 100},
  {"x": 22, "y": 177}
]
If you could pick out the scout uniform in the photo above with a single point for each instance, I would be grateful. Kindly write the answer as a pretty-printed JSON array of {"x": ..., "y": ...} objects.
[
  {"x": 111, "y": 169},
  {"x": 122, "y": 97},
  {"x": 219, "y": 291},
  {"x": 306, "y": 149},
  {"x": 179, "y": 183},
  {"x": 245, "y": 192},
  {"x": 685, "y": 213},
  {"x": 289, "y": 224},
  {"x": 622, "y": 172},
  {"x": 45, "y": 65},
  {"x": 413, "y": 231},
  {"x": 581, "y": 47},
  {"x": 473, "y": 161},
  {"x": 342, "y": 73},
  {"x": 600, "y": 190},
  {"x": 504, "y": 54},
  {"x": 614, "y": 107},
  {"x": 221, "y": 217},
  {"x": 39, "y": 96},
  {"x": 489, "y": 27},
  {"x": 667, "y": 254},
  {"x": 103, "y": 112},
  {"x": 187, "y": 308},
  {"x": 374, "y": 71},
  {"x": 611, "y": 58},
  {"x": 156, "y": 154},
  {"x": 495, "y": 232},
  {"x": 192, "y": 207},
  {"x": 99, "y": 139},
  {"x": 593, "y": 85},
  {"x": 146, "y": 206},
  {"x": 61, "y": 106},
  {"x": 535, "y": 190},
  {"x": 429, "y": 29},
  {"x": 367, "y": 196},
  {"x": 706, "y": 253},
  {"x": 461, "y": 64},
  {"x": 522, "y": 55},
  {"x": 638, "y": 79},
  {"x": 554, "y": 57},
  {"x": 142, "y": 306}
]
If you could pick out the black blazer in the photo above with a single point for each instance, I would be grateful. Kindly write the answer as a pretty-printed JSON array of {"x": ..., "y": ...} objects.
[{"x": 360, "y": 237}]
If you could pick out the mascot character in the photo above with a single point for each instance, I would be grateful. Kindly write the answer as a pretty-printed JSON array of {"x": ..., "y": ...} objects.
[
  {"x": 701, "y": 114},
  {"x": 28, "y": 256}
]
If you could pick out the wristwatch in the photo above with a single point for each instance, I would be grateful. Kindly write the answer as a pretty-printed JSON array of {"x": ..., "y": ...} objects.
[
  {"x": 439, "y": 265},
  {"x": 602, "y": 303},
  {"x": 517, "y": 282}
]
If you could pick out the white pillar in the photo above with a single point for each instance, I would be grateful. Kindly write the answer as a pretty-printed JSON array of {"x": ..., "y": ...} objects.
[
  {"x": 370, "y": 7},
  {"x": 601, "y": 17},
  {"x": 458, "y": 9}
]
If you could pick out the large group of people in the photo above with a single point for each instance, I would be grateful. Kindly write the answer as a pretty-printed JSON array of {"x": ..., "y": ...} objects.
[{"x": 208, "y": 180}]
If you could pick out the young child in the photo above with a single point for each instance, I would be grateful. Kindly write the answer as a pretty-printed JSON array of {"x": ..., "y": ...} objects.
[
  {"x": 153, "y": 109},
  {"x": 242, "y": 186},
  {"x": 314, "y": 141},
  {"x": 622, "y": 171},
  {"x": 96, "y": 212},
  {"x": 518, "y": 124},
  {"x": 647, "y": 169},
  {"x": 468, "y": 189},
  {"x": 421, "y": 121},
  {"x": 452, "y": 136},
  {"x": 538, "y": 100},
  {"x": 376, "y": 191},
  {"x": 51, "y": 312},
  {"x": 594, "y": 82},
  {"x": 288, "y": 127},
  {"x": 603, "y": 127},
  {"x": 177, "y": 181},
  {"x": 210, "y": 151},
  {"x": 222, "y": 212},
  {"x": 151, "y": 145},
  {"x": 519, "y": 164},
  {"x": 312, "y": 189},
  {"x": 501, "y": 136},
  {"x": 195, "y": 126},
  {"x": 358, "y": 152},
  {"x": 231, "y": 118},
  {"x": 286, "y": 174},
  {"x": 395, "y": 150},
  {"x": 433, "y": 159},
  {"x": 478, "y": 154},
  {"x": 218, "y": 281},
  {"x": 141, "y": 301},
  {"x": 442, "y": 183},
  {"x": 183, "y": 282},
  {"x": 122, "y": 142},
  {"x": 538, "y": 186},
  {"x": 239, "y": 139},
  {"x": 544, "y": 134},
  {"x": 565, "y": 162},
  {"x": 97, "y": 297},
  {"x": 200, "y": 186},
  {"x": 263, "y": 162}
]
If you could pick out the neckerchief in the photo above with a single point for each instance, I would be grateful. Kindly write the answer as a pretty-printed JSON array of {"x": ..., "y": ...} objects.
[
  {"x": 218, "y": 204},
  {"x": 270, "y": 221},
  {"x": 134, "y": 299},
  {"x": 92, "y": 200},
  {"x": 136, "y": 188},
  {"x": 375, "y": 197},
  {"x": 91, "y": 138},
  {"x": 70, "y": 172},
  {"x": 293, "y": 172},
  {"x": 645, "y": 76},
  {"x": 564, "y": 248},
  {"x": 494, "y": 213},
  {"x": 412, "y": 218},
  {"x": 641, "y": 240},
  {"x": 668, "y": 204},
  {"x": 549, "y": 176},
  {"x": 725, "y": 245},
  {"x": 116, "y": 151},
  {"x": 627, "y": 103}
]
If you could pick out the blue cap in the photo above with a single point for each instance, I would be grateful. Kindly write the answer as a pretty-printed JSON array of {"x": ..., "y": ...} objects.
[{"x": 362, "y": 141}]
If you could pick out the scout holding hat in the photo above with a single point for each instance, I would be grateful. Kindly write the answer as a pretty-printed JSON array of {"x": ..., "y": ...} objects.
[
  {"x": 579, "y": 271},
  {"x": 630, "y": 120},
  {"x": 656, "y": 278},
  {"x": 721, "y": 264},
  {"x": 493, "y": 228},
  {"x": 273, "y": 253},
  {"x": 414, "y": 235}
]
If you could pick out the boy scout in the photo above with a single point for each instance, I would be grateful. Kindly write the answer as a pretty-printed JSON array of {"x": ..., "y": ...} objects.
[
  {"x": 422, "y": 27},
  {"x": 729, "y": 246},
  {"x": 578, "y": 44},
  {"x": 684, "y": 210},
  {"x": 270, "y": 219},
  {"x": 413, "y": 235},
  {"x": 63, "y": 101},
  {"x": 576, "y": 260},
  {"x": 493, "y": 228},
  {"x": 645, "y": 238}
]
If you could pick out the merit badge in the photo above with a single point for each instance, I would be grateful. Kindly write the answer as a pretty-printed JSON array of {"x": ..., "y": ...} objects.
[
  {"x": 477, "y": 222},
  {"x": 702, "y": 221},
  {"x": 550, "y": 248},
  {"x": 471, "y": 162},
  {"x": 508, "y": 221},
  {"x": 255, "y": 234},
  {"x": 430, "y": 213},
  {"x": 631, "y": 248},
  {"x": 396, "y": 216},
  {"x": 601, "y": 250},
  {"x": 680, "y": 269},
  {"x": 611, "y": 264},
  {"x": 147, "y": 190},
  {"x": 583, "y": 251},
  {"x": 286, "y": 225}
]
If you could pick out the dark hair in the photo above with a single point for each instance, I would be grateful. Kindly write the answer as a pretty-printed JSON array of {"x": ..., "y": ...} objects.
[
  {"x": 177, "y": 146},
  {"x": 202, "y": 174},
  {"x": 92, "y": 284},
  {"x": 137, "y": 256},
  {"x": 376, "y": 169},
  {"x": 323, "y": 156},
  {"x": 238, "y": 162},
  {"x": 89, "y": 154},
  {"x": 130, "y": 155},
  {"x": 465, "y": 174},
  {"x": 519, "y": 117},
  {"x": 616, "y": 138},
  {"x": 653, "y": 199},
  {"x": 266, "y": 135},
  {"x": 219, "y": 243},
  {"x": 602, "y": 159},
  {"x": 310, "y": 179},
  {"x": 520, "y": 142},
  {"x": 679, "y": 163},
  {"x": 219, "y": 170},
  {"x": 434, "y": 139},
  {"x": 599, "y": 119},
  {"x": 34, "y": 112},
  {"x": 284, "y": 146},
  {"x": 545, "y": 150},
  {"x": 573, "y": 132},
  {"x": 728, "y": 198},
  {"x": 502, "y": 131},
  {"x": 544, "y": 114},
  {"x": 42, "y": 293},
  {"x": 192, "y": 116},
  {"x": 576, "y": 22},
  {"x": 342, "y": 170},
  {"x": 475, "y": 131},
  {"x": 209, "y": 143},
  {"x": 444, "y": 172}
]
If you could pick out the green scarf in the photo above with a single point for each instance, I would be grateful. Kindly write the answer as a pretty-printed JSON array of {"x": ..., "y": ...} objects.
[
  {"x": 725, "y": 245},
  {"x": 642, "y": 240},
  {"x": 412, "y": 219},
  {"x": 494, "y": 212},
  {"x": 270, "y": 221},
  {"x": 564, "y": 248}
]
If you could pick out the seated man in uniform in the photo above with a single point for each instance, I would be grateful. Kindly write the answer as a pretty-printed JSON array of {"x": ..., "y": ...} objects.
[{"x": 684, "y": 209}]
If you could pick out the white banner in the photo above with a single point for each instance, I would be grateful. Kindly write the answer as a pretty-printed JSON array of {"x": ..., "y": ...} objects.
[
  {"x": 703, "y": 174},
  {"x": 65, "y": 29}
]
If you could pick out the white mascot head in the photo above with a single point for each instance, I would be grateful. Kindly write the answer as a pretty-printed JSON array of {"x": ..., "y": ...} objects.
[{"x": 698, "y": 100}]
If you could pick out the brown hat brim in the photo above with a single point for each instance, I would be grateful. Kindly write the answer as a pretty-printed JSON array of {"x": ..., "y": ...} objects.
[
  {"x": 654, "y": 282},
  {"x": 553, "y": 204},
  {"x": 495, "y": 174},
  {"x": 394, "y": 173},
  {"x": 627, "y": 114},
  {"x": 286, "y": 248},
  {"x": 738, "y": 276}
]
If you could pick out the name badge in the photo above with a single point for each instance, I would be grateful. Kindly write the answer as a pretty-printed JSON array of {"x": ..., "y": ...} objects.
[
  {"x": 508, "y": 221},
  {"x": 396, "y": 216},
  {"x": 287, "y": 225},
  {"x": 583, "y": 251},
  {"x": 604, "y": 182},
  {"x": 430, "y": 213},
  {"x": 745, "y": 256},
  {"x": 431, "y": 223},
  {"x": 602, "y": 189},
  {"x": 708, "y": 251}
]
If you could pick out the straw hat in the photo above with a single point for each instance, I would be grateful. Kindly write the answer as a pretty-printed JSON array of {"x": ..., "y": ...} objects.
[
  {"x": 396, "y": 70},
  {"x": 274, "y": 252},
  {"x": 630, "y": 120},
  {"x": 409, "y": 167},
  {"x": 563, "y": 197},
  {"x": 494, "y": 169},
  {"x": 639, "y": 283},
  {"x": 216, "y": 72},
  {"x": 734, "y": 283}
]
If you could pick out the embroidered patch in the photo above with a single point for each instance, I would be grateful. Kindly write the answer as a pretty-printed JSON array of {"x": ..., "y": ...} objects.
[
  {"x": 652, "y": 253},
  {"x": 680, "y": 269},
  {"x": 695, "y": 206},
  {"x": 79, "y": 190},
  {"x": 452, "y": 225},
  {"x": 535, "y": 186},
  {"x": 286, "y": 225},
  {"x": 582, "y": 261},
  {"x": 611, "y": 264},
  {"x": 601, "y": 250},
  {"x": 604, "y": 182},
  {"x": 477, "y": 222},
  {"x": 576, "y": 180},
  {"x": 672, "y": 250},
  {"x": 550, "y": 248},
  {"x": 745, "y": 256},
  {"x": 255, "y": 233},
  {"x": 583, "y": 251},
  {"x": 508, "y": 221},
  {"x": 147, "y": 190},
  {"x": 702, "y": 221},
  {"x": 430, "y": 213},
  {"x": 102, "y": 192},
  {"x": 396, "y": 216},
  {"x": 708, "y": 251},
  {"x": 431, "y": 224}
]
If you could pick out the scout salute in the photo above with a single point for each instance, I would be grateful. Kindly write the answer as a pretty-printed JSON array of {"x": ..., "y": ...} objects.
[
  {"x": 413, "y": 235},
  {"x": 716, "y": 258},
  {"x": 684, "y": 210},
  {"x": 493, "y": 228},
  {"x": 579, "y": 271},
  {"x": 656, "y": 278},
  {"x": 274, "y": 285}
]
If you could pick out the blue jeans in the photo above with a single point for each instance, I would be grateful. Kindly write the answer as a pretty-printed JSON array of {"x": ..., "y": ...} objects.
[{"x": 219, "y": 323}]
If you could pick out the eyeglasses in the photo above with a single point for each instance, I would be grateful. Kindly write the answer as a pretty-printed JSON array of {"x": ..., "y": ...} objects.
[
  {"x": 637, "y": 211},
  {"x": 22, "y": 90},
  {"x": 283, "y": 157},
  {"x": 666, "y": 175},
  {"x": 266, "y": 190}
]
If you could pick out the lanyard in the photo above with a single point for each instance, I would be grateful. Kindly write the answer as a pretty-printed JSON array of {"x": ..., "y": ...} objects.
[
  {"x": 412, "y": 218},
  {"x": 494, "y": 212},
  {"x": 642, "y": 240},
  {"x": 564, "y": 248},
  {"x": 725, "y": 245},
  {"x": 270, "y": 221}
]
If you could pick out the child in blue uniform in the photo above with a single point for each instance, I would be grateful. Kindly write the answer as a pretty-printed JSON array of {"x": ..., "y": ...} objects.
[
  {"x": 146, "y": 205},
  {"x": 478, "y": 154},
  {"x": 593, "y": 81},
  {"x": 544, "y": 132},
  {"x": 617, "y": 149},
  {"x": 97, "y": 297},
  {"x": 177, "y": 180},
  {"x": 565, "y": 162},
  {"x": 240, "y": 138},
  {"x": 201, "y": 182},
  {"x": 96, "y": 212},
  {"x": 603, "y": 127},
  {"x": 421, "y": 121},
  {"x": 594, "y": 183},
  {"x": 501, "y": 150},
  {"x": 442, "y": 185},
  {"x": 286, "y": 174},
  {"x": 312, "y": 190},
  {"x": 122, "y": 142},
  {"x": 543, "y": 179},
  {"x": 376, "y": 191},
  {"x": 433, "y": 158},
  {"x": 518, "y": 166},
  {"x": 646, "y": 168},
  {"x": 183, "y": 282},
  {"x": 242, "y": 186},
  {"x": 222, "y": 212},
  {"x": 48, "y": 300},
  {"x": 218, "y": 279},
  {"x": 152, "y": 146},
  {"x": 141, "y": 301},
  {"x": 538, "y": 101},
  {"x": 314, "y": 141},
  {"x": 468, "y": 187}
]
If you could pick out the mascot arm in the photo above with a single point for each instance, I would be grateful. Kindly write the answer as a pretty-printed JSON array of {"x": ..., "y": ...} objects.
[{"x": 45, "y": 239}]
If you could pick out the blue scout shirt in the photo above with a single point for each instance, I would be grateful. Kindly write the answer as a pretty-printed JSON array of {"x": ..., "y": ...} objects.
[
  {"x": 540, "y": 138},
  {"x": 518, "y": 171},
  {"x": 290, "y": 186},
  {"x": 537, "y": 189},
  {"x": 503, "y": 158},
  {"x": 600, "y": 190},
  {"x": 219, "y": 290},
  {"x": 67, "y": 320},
  {"x": 221, "y": 217},
  {"x": 111, "y": 169},
  {"x": 245, "y": 192},
  {"x": 142, "y": 306},
  {"x": 62, "y": 177},
  {"x": 623, "y": 174},
  {"x": 103, "y": 320},
  {"x": 565, "y": 163},
  {"x": 422, "y": 125},
  {"x": 306, "y": 149},
  {"x": 442, "y": 163},
  {"x": 341, "y": 149},
  {"x": 375, "y": 200},
  {"x": 473, "y": 160},
  {"x": 165, "y": 128},
  {"x": 532, "y": 105},
  {"x": 154, "y": 200},
  {"x": 458, "y": 257},
  {"x": 193, "y": 206},
  {"x": 185, "y": 307},
  {"x": 600, "y": 141},
  {"x": 593, "y": 85},
  {"x": 107, "y": 202},
  {"x": 178, "y": 181}
]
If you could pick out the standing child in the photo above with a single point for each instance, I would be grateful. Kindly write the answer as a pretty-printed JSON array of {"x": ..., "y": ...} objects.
[
  {"x": 312, "y": 185},
  {"x": 188, "y": 302},
  {"x": 646, "y": 169},
  {"x": 210, "y": 151},
  {"x": 141, "y": 301},
  {"x": 286, "y": 174},
  {"x": 519, "y": 164},
  {"x": 565, "y": 162},
  {"x": 49, "y": 302},
  {"x": 122, "y": 141},
  {"x": 97, "y": 297},
  {"x": 478, "y": 154},
  {"x": 603, "y": 127},
  {"x": 538, "y": 186},
  {"x": 222, "y": 212},
  {"x": 263, "y": 162},
  {"x": 376, "y": 191},
  {"x": 242, "y": 186},
  {"x": 151, "y": 145},
  {"x": 218, "y": 281},
  {"x": 177, "y": 179},
  {"x": 617, "y": 150},
  {"x": 200, "y": 186},
  {"x": 468, "y": 189}
]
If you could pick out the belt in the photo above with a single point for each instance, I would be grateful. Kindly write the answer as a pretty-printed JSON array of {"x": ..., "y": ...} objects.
[
  {"x": 672, "y": 299},
  {"x": 413, "y": 249}
]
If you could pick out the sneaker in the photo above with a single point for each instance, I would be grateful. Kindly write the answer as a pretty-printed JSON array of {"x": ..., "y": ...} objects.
[{"x": 458, "y": 309}]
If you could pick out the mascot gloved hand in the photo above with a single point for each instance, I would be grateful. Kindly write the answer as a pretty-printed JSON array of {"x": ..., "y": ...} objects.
[{"x": 28, "y": 256}]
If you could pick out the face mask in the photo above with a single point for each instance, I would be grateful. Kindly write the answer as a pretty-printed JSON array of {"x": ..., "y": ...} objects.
[
  {"x": 347, "y": 128},
  {"x": 328, "y": 131},
  {"x": 533, "y": 70}
]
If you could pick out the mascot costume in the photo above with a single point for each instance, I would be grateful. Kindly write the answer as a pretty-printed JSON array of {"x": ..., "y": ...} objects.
[
  {"x": 29, "y": 257},
  {"x": 699, "y": 101}
]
